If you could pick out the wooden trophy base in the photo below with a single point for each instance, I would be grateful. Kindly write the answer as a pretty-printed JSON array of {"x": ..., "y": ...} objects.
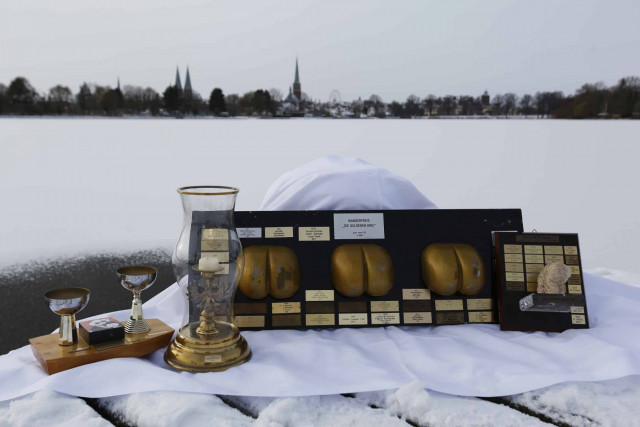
[{"x": 56, "y": 358}]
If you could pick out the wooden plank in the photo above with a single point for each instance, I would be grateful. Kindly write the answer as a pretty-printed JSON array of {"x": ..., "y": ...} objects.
[{"x": 56, "y": 358}]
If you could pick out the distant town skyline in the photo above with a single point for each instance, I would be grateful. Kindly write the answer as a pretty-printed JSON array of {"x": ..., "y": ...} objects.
[{"x": 360, "y": 48}]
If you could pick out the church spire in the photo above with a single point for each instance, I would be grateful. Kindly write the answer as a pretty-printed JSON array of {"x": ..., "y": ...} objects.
[
  {"x": 297, "y": 87},
  {"x": 178, "y": 84},
  {"x": 187, "y": 82}
]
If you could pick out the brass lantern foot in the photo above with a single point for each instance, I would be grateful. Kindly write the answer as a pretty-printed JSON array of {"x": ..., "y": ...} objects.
[{"x": 194, "y": 352}]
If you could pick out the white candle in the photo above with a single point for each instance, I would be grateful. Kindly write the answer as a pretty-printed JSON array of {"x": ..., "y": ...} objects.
[{"x": 209, "y": 264}]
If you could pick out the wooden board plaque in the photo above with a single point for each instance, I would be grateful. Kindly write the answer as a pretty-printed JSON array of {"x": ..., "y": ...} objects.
[
  {"x": 317, "y": 237},
  {"x": 56, "y": 358},
  {"x": 519, "y": 258}
]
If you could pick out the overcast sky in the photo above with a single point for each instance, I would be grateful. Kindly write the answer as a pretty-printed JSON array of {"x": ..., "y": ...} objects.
[{"x": 390, "y": 48}]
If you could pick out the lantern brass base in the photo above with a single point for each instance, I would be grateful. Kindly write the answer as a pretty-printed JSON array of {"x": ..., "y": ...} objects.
[{"x": 206, "y": 353}]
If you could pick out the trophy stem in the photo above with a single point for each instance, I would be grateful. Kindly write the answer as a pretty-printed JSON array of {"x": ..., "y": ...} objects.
[
  {"x": 136, "y": 323},
  {"x": 207, "y": 317},
  {"x": 68, "y": 333}
]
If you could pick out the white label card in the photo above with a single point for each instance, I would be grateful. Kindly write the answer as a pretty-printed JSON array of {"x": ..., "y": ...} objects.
[
  {"x": 249, "y": 233},
  {"x": 358, "y": 226}
]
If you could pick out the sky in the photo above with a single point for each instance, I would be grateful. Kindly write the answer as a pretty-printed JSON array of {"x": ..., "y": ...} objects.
[{"x": 359, "y": 48}]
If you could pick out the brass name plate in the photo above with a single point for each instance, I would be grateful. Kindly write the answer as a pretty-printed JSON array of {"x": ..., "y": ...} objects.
[
  {"x": 215, "y": 234},
  {"x": 513, "y": 258},
  {"x": 480, "y": 317},
  {"x": 575, "y": 279},
  {"x": 514, "y": 286},
  {"x": 532, "y": 286},
  {"x": 323, "y": 307},
  {"x": 384, "y": 306},
  {"x": 416, "y": 305},
  {"x": 479, "y": 304},
  {"x": 412, "y": 294},
  {"x": 571, "y": 259},
  {"x": 286, "y": 320},
  {"x": 214, "y": 245},
  {"x": 417, "y": 317},
  {"x": 515, "y": 267},
  {"x": 222, "y": 256},
  {"x": 449, "y": 305},
  {"x": 352, "y": 319},
  {"x": 515, "y": 277},
  {"x": 352, "y": 307},
  {"x": 250, "y": 308},
  {"x": 571, "y": 250},
  {"x": 385, "y": 318},
  {"x": 314, "y": 234},
  {"x": 534, "y": 258},
  {"x": 553, "y": 250},
  {"x": 534, "y": 268},
  {"x": 532, "y": 277},
  {"x": 512, "y": 249},
  {"x": 319, "y": 295},
  {"x": 578, "y": 319},
  {"x": 533, "y": 249},
  {"x": 250, "y": 321},
  {"x": 574, "y": 289},
  {"x": 449, "y": 318},
  {"x": 577, "y": 310},
  {"x": 285, "y": 307},
  {"x": 278, "y": 232},
  {"x": 575, "y": 269},
  {"x": 550, "y": 259},
  {"x": 320, "y": 320}
]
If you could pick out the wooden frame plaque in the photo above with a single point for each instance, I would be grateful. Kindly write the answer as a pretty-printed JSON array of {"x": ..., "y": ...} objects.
[
  {"x": 366, "y": 268},
  {"x": 520, "y": 257}
]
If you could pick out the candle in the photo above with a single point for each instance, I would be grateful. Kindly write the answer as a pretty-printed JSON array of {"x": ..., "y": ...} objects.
[{"x": 209, "y": 264}]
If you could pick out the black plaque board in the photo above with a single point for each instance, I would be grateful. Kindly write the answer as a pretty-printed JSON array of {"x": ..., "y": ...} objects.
[
  {"x": 519, "y": 258},
  {"x": 314, "y": 235}
]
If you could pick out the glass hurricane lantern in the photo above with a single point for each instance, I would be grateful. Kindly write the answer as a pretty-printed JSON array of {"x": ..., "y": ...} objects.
[{"x": 208, "y": 263}]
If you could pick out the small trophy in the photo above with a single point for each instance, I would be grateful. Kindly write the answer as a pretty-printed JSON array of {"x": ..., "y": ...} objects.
[
  {"x": 137, "y": 278},
  {"x": 67, "y": 302}
]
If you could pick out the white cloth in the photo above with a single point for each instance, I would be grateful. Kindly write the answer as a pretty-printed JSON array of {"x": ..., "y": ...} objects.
[
  {"x": 466, "y": 360},
  {"x": 342, "y": 183}
]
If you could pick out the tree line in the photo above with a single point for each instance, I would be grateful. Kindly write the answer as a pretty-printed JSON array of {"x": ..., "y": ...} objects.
[{"x": 621, "y": 100}]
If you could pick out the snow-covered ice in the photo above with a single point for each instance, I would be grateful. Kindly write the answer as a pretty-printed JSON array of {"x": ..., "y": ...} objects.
[
  {"x": 70, "y": 186},
  {"x": 49, "y": 408}
]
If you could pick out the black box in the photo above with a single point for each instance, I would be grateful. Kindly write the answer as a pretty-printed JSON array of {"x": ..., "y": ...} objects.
[{"x": 100, "y": 330}]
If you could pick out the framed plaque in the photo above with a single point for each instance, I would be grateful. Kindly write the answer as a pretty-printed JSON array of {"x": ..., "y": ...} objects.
[
  {"x": 521, "y": 260},
  {"x": 331, "y": 269}
]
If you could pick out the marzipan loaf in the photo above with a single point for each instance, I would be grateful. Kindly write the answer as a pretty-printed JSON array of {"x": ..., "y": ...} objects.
[
  {"x": 360, "y": 268},
  {"x": 450, "y": 268},
  {"x": 270, "y": 270}
]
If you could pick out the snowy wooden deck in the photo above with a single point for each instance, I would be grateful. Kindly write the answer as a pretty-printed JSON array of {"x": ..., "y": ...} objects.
[{"x": 608, "y": 403}]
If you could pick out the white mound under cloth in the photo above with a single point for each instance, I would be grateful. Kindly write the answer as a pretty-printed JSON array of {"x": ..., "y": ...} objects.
[{"x": 464, "y": 360}]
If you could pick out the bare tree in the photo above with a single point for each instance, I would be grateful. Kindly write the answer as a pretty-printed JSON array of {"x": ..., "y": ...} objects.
[
  {"x": 526, "y": 103},
  {"x": 509, "y": 102},
  {"x": 276, "y": 94}
]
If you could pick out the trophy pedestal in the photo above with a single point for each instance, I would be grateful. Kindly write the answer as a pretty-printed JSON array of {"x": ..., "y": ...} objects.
[{"x": 193, "y": 352}]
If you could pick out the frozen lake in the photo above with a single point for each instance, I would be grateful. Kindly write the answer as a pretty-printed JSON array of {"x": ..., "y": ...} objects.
[{"x": 72, "y": 186}]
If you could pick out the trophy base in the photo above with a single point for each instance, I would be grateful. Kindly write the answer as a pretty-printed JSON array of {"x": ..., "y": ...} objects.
[
  {"x": 195, "y": 353},
  {"x": 136, "y": 326}
]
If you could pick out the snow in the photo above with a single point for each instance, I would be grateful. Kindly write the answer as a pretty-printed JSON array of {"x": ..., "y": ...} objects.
[
  {"x": 49, "y": 408},
  {"x": 606, "y": 403},
  {"x": 427, "y": 407},
  {"x": 73, "y": 186},
  {"x": 157, "y": 409}
]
